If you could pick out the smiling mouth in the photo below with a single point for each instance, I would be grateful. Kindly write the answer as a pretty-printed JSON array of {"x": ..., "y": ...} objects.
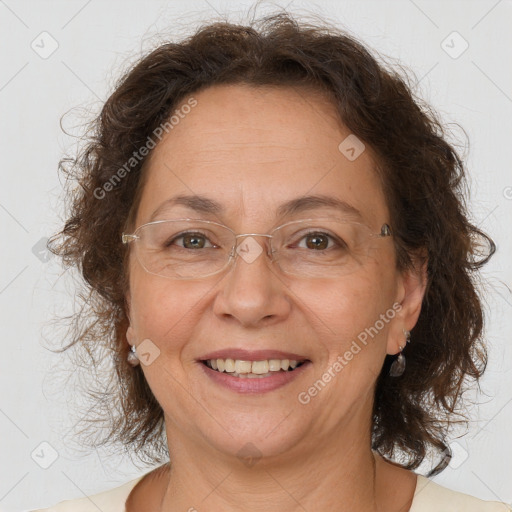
[{"x": 253, "y": 369}]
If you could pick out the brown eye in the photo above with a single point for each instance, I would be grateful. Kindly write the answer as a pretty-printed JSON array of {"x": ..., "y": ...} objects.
[
  {"x": 317, "y": 241},
  {"x": 193, "y": 241},
  {"x": 189, "y": 241}
]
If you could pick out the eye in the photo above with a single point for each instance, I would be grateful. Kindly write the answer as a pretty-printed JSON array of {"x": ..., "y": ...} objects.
[
  {"x": 191, "y": 240},
  {"x": 319, "y": 240}
]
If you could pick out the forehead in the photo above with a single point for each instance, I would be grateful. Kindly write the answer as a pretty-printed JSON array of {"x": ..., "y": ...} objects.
[{"x": 252, "y": 149}]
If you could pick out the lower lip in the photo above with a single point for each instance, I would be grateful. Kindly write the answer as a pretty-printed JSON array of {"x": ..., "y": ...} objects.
[{"x": 256, "y": 385}]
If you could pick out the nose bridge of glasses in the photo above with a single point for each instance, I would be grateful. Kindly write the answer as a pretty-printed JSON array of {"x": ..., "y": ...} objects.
[
  {"x": 243, "y": 235},
  {"x": 253, "y": 234}
]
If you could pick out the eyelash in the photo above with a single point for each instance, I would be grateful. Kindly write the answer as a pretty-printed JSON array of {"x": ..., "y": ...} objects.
[
  {"x": 334, "y": 238},
  {"x": 182, "y": 235}
]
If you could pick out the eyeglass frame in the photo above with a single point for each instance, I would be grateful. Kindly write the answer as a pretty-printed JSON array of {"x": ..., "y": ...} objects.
[{"x": 126, "y": 238}]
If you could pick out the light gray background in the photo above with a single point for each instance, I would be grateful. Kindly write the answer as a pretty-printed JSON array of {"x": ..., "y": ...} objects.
[{"x": 96, "y": 39}]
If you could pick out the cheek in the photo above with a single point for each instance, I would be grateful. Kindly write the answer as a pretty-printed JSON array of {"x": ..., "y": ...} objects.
[
  {"x": 160, "y": 309},
  {"x": 354, "y": 316}
]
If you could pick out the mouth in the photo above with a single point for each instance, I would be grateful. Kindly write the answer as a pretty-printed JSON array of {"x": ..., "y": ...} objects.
[{"x": 253, "y": 369}]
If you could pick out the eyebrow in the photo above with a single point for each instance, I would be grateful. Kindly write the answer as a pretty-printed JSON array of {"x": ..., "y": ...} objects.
[{"x": 205, "y": 205}]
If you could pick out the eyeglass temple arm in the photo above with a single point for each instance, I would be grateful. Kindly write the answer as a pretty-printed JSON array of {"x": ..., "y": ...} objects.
[
  {"x": 385, "y": 230},
  {"x": 128, "y": 238}
]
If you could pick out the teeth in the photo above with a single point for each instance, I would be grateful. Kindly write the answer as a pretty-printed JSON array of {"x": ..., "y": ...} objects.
[
  {"x": 229, "y": 366},
  {"x": 260, "y": 367},
  {"x": 274, "y": 365},
  {"x": 242, "y": 366},
  {"x": 252, "y": 369}
]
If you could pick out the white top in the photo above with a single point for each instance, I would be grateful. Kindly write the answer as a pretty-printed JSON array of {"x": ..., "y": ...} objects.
[{"x": 428, "y": 497}]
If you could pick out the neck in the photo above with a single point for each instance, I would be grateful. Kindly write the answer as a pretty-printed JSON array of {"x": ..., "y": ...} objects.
[{"x": 337, "y": 472}]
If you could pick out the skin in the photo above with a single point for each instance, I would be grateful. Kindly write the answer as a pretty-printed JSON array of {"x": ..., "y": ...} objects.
[{"x": 252, "y": 149}]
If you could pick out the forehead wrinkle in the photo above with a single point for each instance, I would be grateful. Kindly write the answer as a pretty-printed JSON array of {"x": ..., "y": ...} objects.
[{"x": 219, "y": 153}]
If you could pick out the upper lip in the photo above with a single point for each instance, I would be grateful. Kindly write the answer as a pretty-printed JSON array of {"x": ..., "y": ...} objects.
[{"x": 251, "y": 355}]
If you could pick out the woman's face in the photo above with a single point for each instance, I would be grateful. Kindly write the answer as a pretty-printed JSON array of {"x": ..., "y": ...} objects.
[{"x": 251, "y": 150}]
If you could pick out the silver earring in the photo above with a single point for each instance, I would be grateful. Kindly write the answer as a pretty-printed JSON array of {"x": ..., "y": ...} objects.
[
  {"x": 132, "y": 358},
  {"x": 398, "y": 366}
]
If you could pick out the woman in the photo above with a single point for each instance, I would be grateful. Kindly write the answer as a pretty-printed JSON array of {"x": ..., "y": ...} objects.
[{"x": 266, "y": 219}]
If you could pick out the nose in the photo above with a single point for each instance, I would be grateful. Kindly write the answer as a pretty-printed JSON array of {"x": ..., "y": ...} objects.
[{"x": 253, "y": 292}]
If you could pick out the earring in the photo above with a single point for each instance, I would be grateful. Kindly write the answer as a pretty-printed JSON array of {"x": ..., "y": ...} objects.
[
  {"x": 398, "y": 366},
  {"x": 132, "y": 358}
]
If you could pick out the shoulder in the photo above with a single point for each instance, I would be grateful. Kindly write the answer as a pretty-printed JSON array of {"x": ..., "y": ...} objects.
[
  {"x": 432, "y": 497},
  {"x": 112, "y": 500}
]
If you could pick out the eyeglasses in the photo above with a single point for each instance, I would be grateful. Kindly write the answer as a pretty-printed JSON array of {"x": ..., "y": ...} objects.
[{"x": 192, "y": 249}]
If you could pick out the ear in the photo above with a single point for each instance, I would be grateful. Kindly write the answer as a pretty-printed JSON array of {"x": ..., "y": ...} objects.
[
  {"x": 130, "y": 335},
  {"x": 412, "y": 284}
]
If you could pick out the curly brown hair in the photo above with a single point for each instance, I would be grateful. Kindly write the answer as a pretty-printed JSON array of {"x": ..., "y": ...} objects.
[{"x": 424, "y": 182}]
